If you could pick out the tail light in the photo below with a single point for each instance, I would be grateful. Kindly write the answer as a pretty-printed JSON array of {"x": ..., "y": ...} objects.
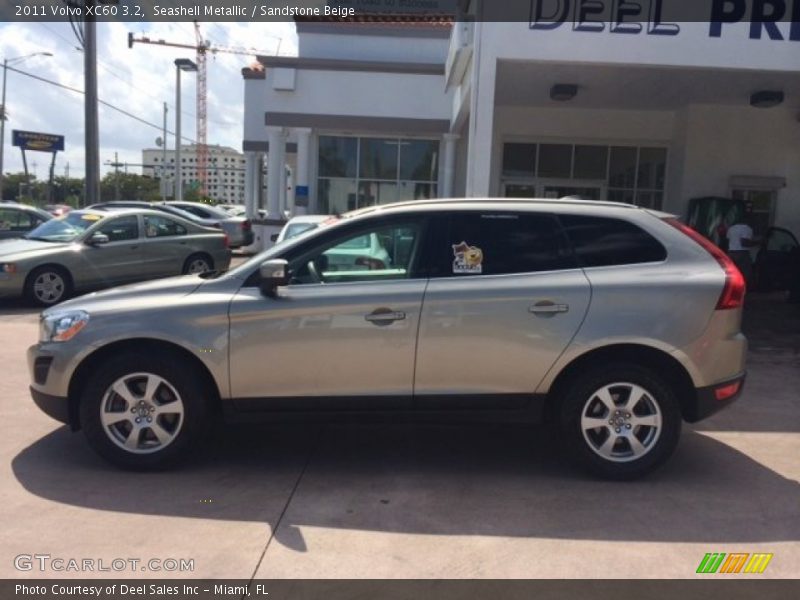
[
  {"x": 246, "y": 225},
  {"x": 732, "y": 295},
  {"x": 225, "y": 241}
]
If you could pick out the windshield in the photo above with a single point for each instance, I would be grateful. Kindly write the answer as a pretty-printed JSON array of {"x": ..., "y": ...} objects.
[{"x": 65, "y": 228}]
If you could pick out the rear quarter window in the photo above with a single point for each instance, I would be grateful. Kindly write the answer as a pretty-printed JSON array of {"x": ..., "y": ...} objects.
[{"x": 605, "y": 241}]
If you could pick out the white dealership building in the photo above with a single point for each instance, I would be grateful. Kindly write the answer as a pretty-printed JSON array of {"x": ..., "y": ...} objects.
[{"x": 376, "y": 110}]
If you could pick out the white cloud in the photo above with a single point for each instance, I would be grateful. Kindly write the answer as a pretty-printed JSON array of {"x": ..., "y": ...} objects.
[{"x": 137, "y": 80}]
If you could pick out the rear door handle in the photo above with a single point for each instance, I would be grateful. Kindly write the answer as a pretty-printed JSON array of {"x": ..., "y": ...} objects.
[
  {"x": 385, "y": 316},
  {"x": 548, "y": 308}
]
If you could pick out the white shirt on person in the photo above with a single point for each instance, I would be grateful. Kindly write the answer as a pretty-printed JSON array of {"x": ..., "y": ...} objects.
[{"x": 737, "y": 233}]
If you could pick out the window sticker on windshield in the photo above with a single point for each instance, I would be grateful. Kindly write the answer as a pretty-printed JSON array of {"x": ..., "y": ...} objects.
[{"x": 468, "y": 259}]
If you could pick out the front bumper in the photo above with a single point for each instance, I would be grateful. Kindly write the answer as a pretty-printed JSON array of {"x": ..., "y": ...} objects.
[
  {"x": 707, "y": 401},
  {"x": 56, "y": 407}
]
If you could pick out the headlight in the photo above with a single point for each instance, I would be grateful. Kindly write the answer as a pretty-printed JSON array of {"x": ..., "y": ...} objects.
[
  {"x": 62, "y": 327},
  {"x": 9, "y": 268}
]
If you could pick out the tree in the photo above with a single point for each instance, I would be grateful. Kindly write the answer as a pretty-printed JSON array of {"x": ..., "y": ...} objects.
[
  {"x": 131, "y": 187},
  {"x": 16, "y": 187}
]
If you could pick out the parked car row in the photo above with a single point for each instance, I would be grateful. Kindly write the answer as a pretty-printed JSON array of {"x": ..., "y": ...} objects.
[{"x": 91, "y": 249}]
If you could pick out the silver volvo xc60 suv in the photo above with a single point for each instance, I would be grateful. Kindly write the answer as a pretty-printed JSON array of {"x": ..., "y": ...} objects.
[{"x": 611, "y": 323}]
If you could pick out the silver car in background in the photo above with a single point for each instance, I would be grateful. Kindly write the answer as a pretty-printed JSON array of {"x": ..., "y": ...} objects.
[
  {"x": 610, "y": 323},
  {"x": 16, "y": 220},
  {"x": 239, "y": 229},
  {"x": 89, "y": 249}
]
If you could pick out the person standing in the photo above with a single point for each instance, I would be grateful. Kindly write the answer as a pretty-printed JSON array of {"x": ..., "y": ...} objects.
[{"x": 740, "y": 240}]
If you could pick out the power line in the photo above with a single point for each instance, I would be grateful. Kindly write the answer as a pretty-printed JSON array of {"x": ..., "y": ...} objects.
[{"x": 103, "y": 102}]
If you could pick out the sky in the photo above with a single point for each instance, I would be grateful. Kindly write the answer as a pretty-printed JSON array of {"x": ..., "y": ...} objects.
[{"x": 137, "y": 80}]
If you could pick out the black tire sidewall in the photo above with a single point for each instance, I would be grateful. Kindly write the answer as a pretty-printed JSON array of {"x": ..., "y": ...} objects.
[
  {"x": 584, "y": 385},
  {"x": 186, "y": 381},
  {"x": 30, "y": 295}
]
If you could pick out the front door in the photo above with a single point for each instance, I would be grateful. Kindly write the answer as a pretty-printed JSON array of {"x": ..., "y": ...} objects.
[
  {"x": 119, "y": 260},
  {"x": 502, "y": 305},
  {"x": 343, "y": 333}
]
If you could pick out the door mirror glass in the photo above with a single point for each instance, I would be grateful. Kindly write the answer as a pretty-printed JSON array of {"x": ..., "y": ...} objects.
[
  {"x": 98, "y": 239},
  {"x": 274, "y": 274}
]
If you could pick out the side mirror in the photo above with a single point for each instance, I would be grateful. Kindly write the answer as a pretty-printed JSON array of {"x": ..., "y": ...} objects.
[
  {"x": 98, "y": 239},
  {"x": 274, "y": 274},
  {"x": 274, "y": 237}
]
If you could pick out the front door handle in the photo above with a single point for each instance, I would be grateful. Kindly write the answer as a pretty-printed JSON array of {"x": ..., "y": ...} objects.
[
  {"x": 385, "y": 316},
  {"x": 546, "y": 307}
]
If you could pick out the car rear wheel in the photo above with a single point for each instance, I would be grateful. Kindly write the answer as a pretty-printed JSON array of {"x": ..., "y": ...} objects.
[
  {"x": 144, "y": 412},
  {"x": 46, "y": 286},
  {"x": 621, "y": 421},
  {"x": 197, "y": 263}
]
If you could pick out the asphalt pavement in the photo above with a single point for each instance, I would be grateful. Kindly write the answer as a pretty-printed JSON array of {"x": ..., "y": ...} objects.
[{"x": 405, "y": 501}]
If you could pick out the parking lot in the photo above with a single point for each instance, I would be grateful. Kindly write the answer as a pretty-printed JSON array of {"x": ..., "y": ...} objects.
[{"x": 423, "y": 501}]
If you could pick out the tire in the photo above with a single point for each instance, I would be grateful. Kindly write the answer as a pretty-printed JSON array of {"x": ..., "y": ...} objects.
[
  {"x": 140, "y": 429},
  {"x": 48, "y": 285},
  {"x": 629, "y": 440},
  {"x": 197, "y": 263}
]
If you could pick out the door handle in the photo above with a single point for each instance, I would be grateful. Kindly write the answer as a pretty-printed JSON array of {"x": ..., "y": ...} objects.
[
  {"x": 548, "y": 308},
  {"x": 385, "y": 316},
  {"x": 134, "y": 247}
]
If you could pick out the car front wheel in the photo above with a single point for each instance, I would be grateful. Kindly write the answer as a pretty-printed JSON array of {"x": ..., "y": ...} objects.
[
  {"x": 47, "y": 286},
  {"x": 621, "y": 421},
  {"x": 144, "y": 412}
]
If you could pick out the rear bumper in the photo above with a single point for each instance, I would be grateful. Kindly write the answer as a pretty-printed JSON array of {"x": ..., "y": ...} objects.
[
  {"x": 707, "y": 402},
  {"x": 56, "y": 407}
]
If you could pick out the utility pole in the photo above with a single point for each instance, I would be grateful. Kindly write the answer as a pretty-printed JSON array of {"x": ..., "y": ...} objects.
[
  {"x": 116, "y": 176},
  {"x": 164, "y": 159},
  {"x": 92, "y": 138}
]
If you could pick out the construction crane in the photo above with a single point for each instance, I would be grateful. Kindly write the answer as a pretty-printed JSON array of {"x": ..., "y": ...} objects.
[{"x": 202, "y": 48}]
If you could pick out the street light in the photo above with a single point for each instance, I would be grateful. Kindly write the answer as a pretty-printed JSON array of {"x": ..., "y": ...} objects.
[
  {"x": 4, "y": 112},
  {"x": 181, "y": 64}
]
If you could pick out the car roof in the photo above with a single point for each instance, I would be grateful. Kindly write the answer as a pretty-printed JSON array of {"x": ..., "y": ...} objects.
[{"x": 309, "y": 219}]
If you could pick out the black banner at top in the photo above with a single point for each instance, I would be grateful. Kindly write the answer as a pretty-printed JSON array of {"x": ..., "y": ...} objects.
[{"x": 555, "y": 12}]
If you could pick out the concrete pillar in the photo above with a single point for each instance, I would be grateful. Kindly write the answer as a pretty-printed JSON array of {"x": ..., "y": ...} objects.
[
  {"x": 481, "y": 120},
  {"x": 302, "y": 175},
  {"x": 250, "y": 196},
  {"x": 276, "y": 171},
  {"x": 448, "y": 164}
]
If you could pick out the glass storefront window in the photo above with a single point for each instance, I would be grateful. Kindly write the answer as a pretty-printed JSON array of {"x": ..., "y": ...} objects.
[
  {"x": 359, "y": 172},
  {"x": 419, "y": 160},
  {"x": 338, "y": 156},
  {"x": 555, "y": 161},
  {"x": 378, "y": 159},
  {"x": 519, "y": 160},
  {"x": 652, "y": 168},
  {"x": 622, "y": 167},
  {"x": 591, "y": 162}
]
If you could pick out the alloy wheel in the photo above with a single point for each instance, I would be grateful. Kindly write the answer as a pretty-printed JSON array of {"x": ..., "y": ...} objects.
[
  {"x": 621, "y": 422},
  {"x": 142, "y": 413}
]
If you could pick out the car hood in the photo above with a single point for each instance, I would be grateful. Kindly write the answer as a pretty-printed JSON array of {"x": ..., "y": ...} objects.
[
  {"x": 19, "y": 249},
  {"x": 138, "y": 295}
]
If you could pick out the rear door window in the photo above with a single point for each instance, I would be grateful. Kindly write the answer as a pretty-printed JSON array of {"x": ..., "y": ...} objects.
[
  {"x": 604, "y": 241},
  {"x": 500, "y": 243}
]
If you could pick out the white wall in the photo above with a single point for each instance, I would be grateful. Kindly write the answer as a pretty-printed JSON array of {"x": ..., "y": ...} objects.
[
  {"x": 349, "y": 93},
  {"x": 373, "y": 48}
]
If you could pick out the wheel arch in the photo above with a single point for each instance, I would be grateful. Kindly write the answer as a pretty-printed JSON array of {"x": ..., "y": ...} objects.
[
  {"x": 80, "y": 376},
  {"x": 665, "y": 365},
  {"x": 198, "y": 254}
]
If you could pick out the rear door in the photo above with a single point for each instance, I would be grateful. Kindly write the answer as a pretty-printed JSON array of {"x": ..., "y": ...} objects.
[
  {"x": 166, "y": 246},
  {"x": 503, "y": 303}
]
